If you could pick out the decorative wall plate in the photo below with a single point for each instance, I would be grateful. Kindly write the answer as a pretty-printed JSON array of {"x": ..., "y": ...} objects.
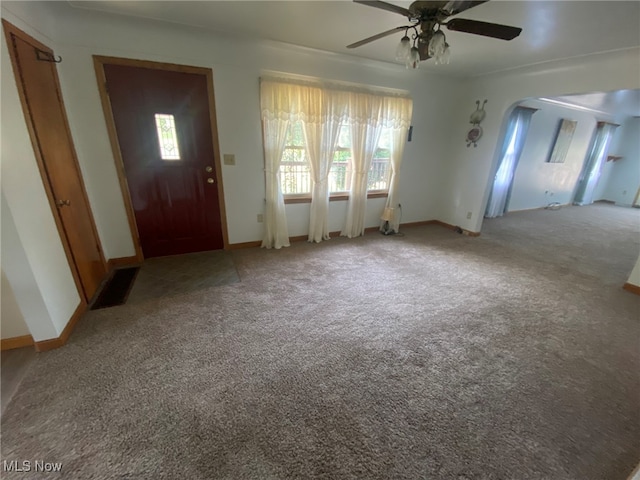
[{"x": 473, "y": 135}]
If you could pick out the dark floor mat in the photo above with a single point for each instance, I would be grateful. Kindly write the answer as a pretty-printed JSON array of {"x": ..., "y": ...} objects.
[{"x": 117, "y": 289}]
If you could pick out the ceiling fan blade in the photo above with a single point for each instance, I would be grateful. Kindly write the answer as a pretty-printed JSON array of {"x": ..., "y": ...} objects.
[
  {"x": 458, "y": 6},
  {"x": 386, "y": 6},
  {"x": 376, "y": 37},
  {"x": 493, "y": 30}
]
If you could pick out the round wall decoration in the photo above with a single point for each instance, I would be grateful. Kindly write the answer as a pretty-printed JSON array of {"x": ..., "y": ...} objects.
[{"x": 473, "y": 135}]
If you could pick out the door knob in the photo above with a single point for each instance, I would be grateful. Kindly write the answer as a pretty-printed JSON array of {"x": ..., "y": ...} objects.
[
  {"x": 208, "y": 169},
  {"x": 210, "y": 180},
  {"x": 63, "y": 203}
]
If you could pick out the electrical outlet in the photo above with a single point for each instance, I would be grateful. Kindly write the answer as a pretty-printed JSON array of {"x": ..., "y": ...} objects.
[
  {"x": 260, "y": 218},
  {"x": 468, "y": 215},
  {"x": 229, "y": 159}
]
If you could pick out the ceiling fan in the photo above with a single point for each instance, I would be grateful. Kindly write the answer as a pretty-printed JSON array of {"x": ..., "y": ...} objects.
[{"x": 426, "y": 19}]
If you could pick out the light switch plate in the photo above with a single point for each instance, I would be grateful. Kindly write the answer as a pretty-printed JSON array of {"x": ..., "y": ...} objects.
[{"x": 229, "y": 159}]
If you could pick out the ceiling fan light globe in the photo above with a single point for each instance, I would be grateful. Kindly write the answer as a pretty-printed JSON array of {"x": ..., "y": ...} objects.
[
  {"x": 445, "y": 58},
  {"x": 404, "y": 49},
  {"x": 413, "y": 60},
  {"x": 437, "y": 44}
]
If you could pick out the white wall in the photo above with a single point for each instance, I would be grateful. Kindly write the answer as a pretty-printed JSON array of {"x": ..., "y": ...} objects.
[
  {"x": 634, "y": 278},
  {"x": 12, "y": 322},
  {"x": 33, "y": 258},
  {"x": 237, "y": 65},
  {"x": 467, "y": 186},
  {"x": 538, "y": 183},
  {"x": 620, "y": 180}
]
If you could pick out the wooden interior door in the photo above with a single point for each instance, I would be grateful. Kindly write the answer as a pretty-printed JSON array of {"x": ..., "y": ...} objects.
[
  {"x": 163, "y": 127},
  {"x": 37, "y": 78}
]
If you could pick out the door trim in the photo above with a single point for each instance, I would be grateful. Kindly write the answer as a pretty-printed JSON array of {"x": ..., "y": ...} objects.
[
  {"x": 99, "y": 62},
  {"x": 9, "y": 30}
]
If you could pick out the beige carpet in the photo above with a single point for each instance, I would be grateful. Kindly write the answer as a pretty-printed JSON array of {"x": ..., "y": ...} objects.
[{"x": 514, "y": 355}]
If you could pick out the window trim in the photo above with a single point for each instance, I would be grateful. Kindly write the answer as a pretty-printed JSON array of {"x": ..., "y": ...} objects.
[{"x": 340, "y": 197}]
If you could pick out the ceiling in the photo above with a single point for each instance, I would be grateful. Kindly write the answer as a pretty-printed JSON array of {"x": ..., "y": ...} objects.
[
  {"x": 551, "y": 29},
  {"x": 625, "y": 103}
]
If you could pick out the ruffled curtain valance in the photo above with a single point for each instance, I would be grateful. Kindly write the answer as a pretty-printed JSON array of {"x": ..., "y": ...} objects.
[{"x": 293, "y": 101}]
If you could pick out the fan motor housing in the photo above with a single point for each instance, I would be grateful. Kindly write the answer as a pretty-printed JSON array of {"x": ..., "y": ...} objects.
[{"x": 433, "y": 10}]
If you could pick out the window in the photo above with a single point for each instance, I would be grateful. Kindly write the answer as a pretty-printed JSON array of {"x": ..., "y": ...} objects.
[
  {"x": 167, "y": 137},
  {"x": 380, "y": 170},
  {"x": 295, "y": 174},
  {"x": 340, "y": 173}
]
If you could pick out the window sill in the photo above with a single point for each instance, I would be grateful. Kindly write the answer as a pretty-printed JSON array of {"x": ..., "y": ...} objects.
[{"x": 332, "y": 198}]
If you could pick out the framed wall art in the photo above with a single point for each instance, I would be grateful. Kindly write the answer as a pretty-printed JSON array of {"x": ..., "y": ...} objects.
[{"x": 562, "y": 141}]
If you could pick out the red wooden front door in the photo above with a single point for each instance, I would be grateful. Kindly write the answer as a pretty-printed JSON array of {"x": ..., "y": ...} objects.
[{"x": 164, "y": 132}]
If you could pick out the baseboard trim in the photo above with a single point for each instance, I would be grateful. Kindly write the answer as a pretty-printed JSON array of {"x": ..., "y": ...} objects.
[
  {"x": 302, "y": 238},
  {"x": 52, "y": 343},
  {"x": 464, "y": 231},
  {"x": 119, "y": 262},
  {"x": 337, "y": 233},
  {"x": 239, "y": 246},
  {"x": 418, "y": 224},
  {"x": 299, "y": 238},
  {"x": 16, "y": 342},
  {"x": 630, "y": 287}
]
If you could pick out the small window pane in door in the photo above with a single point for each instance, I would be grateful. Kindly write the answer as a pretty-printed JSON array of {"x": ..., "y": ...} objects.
[{"x": 167, "y": 137}]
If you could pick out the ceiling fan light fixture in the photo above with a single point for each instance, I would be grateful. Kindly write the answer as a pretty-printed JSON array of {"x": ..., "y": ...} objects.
[
  {"x": 413, "y": 60},
  {"x": 404, "y": 49},
  {"x": 437, "y": 44},
  {"x": 426, "y": 19},
  {"x": 445, "y": 58}
]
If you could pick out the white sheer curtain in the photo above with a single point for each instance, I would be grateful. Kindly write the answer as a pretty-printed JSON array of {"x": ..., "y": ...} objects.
[
  {"x": 593, "y": 164},
  {"x": 397, "y": 118},
  {"x": 277, "y": 102},
  {"x": 322, "y": 114},
  {"x": 365, "y": 118},
  {"x": 322, "y": 109},
  {"x": 517, "y": 128}
]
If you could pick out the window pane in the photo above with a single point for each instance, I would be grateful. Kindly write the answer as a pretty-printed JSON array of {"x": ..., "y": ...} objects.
[
  {"x": 378, "y": 178},
  {"x": 294, "y": 155},
  {"x": 385, "y": 139},
  {"x": 380, "y": 171},
  {"x": 295, "y": 175},
  {"x": 340, "y": 173},
  {"x": 344, "y": 137},
  {"x": 167, "y": 137},
  {"x": 295, "y": 179},
  {"x": 295, "y": 135}
]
